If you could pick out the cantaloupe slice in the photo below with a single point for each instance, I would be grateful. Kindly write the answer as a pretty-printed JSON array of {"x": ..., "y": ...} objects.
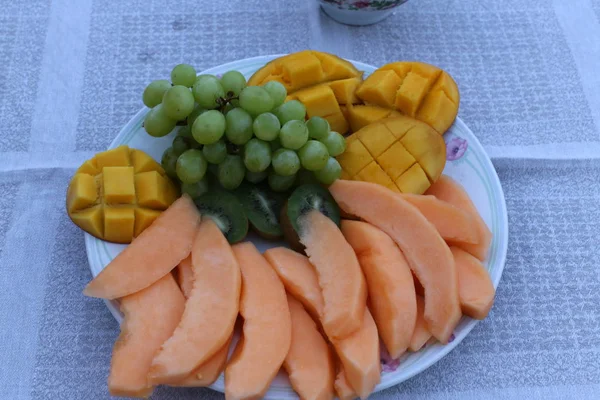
[
  {"x": 150, "y": 256},
  {"x": 141, "y": 336},
  {"x": 185, "y": 276},
  {"x": 421, "y": 333},
  {"x": 207, "y": 373},
  {"x": 342, "y": 388},
  {"x": 309, "y": 362},
  {"x": 299, "y": 278},
  {"x": 451, "y": 222},
  {"x": 428, "y": 255},
  {"x": 210, "y": 311},
  {"x": 447, "y": 189},
  {"x": 475, "y": 288},
  {"x": 267, "y": 329},
  {"x": 340, "y": 277},
  {"x": 359, "y": 354},
  {"x": 391, "y": 287}
]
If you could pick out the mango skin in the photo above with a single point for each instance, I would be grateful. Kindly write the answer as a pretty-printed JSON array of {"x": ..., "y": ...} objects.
[
  {"x": 400, "y": 153},
  {"x": 118, "y": 193},
  {"x": 415, "y": 89}
]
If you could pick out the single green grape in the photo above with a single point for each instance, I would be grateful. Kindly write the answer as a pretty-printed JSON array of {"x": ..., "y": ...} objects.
[
  {"x": 330, "y": 172},
  {"x": 207, "y": 91},
  {"x": 195, "y": 189},
  {"x": 169, "y": 162},
  {"x": 233, "y": 82},
  {"x": 257, "y": 155},
  {"x": 157, "y": 123},
  {"x": 238, "y": 127},
  {"x": 255, "y": 100},
  {"x": 231, "y": 172},
  {"x": 280, "y": 183},
  {"x": 293, "y": 134},
  {"x": 277, "y": 92},
  {"x": 209, "y": 127},
  {"x": 335, "y": 143},
  {"x": 313, "y": 155},
  {"x": 154, "y": 92},
  {"x": 216, "y": 152},
  {"x": 178, "y": 102},
  {"x": 266, "y": 126},
  {"x": 180, "y": 144},
  {"x": 289, "y": 111},
  {"x": 193, "y": 115},
  {"x": 183, "y": 74},
  {"x": 191, "y": 166},
  {"x": 318, "y": 128},
  {"x": 256, "y": 177},
  {"x": 285, "y": 162}
]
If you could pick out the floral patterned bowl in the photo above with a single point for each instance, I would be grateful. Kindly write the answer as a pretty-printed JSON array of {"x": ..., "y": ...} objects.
[{"x": 359, "y": 12}]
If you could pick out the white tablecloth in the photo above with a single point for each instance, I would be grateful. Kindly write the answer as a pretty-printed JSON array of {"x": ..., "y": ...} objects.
[{"x": 72, "y": 73}]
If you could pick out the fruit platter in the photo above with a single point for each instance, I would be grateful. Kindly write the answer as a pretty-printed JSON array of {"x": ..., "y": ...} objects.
[{"x": 291, "y": 226}]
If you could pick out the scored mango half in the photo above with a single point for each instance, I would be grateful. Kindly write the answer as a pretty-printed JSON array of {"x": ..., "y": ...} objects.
[
  {"x": 321, "y": 81},
  {"x": 415, "y": 89},
  {"x": 400, "y": 153},
  {"x": 118, "y": 193}
]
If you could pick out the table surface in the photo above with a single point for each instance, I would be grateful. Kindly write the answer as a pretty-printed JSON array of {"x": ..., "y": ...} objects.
[{"x": 72, "y": 73}]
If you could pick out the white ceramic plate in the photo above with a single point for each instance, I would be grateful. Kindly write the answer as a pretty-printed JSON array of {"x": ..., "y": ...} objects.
[{"x": 467, "y": 163}]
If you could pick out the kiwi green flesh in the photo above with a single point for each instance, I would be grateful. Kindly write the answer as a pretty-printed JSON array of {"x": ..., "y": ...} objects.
[
  {"x": 263, "y": 207},
  {"x": 311, "y": 197},
  {"x": 226, "y": 211}
]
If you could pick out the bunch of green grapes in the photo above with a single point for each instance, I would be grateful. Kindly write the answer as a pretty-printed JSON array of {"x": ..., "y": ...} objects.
[{"x": 238, "y": 132}]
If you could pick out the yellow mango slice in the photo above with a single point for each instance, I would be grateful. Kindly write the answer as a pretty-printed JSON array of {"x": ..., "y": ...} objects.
[
  {"x": 416, "y": 89},
  {"x": 118, "y": 193},
  {"x": 400, "y": 153}
]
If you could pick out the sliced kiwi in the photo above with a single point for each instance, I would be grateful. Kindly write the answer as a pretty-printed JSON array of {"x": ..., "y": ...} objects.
[
  {"x": 304, "y": 199},
  {"x": 262, "y": 206},
  {"x": 226, "y": 211}
]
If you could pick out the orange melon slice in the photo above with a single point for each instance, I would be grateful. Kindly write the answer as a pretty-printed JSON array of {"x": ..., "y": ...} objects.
[
  {"x": 150, "y": 256},
  {"x": 299, "y": 278},
  {"x": 141, "y": 336},
  {"x": 340, "y": 277},
  {"x": 475, "y": 288},
  {"x": 428, "y": 255},
  {"x": 210, "y": 311},
  {"x": 309, "y": 362},
  {"x": 453, "y": 223},
  {"x": 342, "y": 388},
  {"x": 207, "y": 373},
  {"x": 421, "y": 333},
  {"x": 359, "y": 354},
  {"x": 185, "y": 276},
  {"x": 391, "y": 287},
  {"x": 447, "y": 189},
  {"x": 267, "y": 329}
]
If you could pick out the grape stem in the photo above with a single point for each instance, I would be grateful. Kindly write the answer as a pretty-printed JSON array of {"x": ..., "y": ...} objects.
[{"x": 223, "y": 101}]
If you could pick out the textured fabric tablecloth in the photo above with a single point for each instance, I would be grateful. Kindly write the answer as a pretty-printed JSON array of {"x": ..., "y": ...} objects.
[{"x": 72, "y": 73}]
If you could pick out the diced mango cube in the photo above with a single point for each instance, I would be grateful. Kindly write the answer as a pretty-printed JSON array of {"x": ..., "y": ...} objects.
[
  {"x": 90, "y": 220},
  {"x": 411, "y": 93},
  {"x": 303, "y": 70},
  {"x": 380, "y": 88},
  {"x": 88, "y": 167},
  {"x": 144, "y": 217},
  {"x": 434, "y": 111},
  {"x": 374, "y": 173},
  {"x": 82, "y": 192},
  {"x": 355, "y": 158},
  {"x": 319, "y": 101},
  {"x": 152, "y": 190},
  {"x": 413, "y": 181},
  {"x": 119, "y": 186},
  {"x": 117, "y": 157},
  {"x": 345, "y": 90},
  {"x": 375, "y": 139},
  {"x": 337, "y": 122},
  {"x": 396, "y": 160},
  {"x": 118, "y": 224},
  {"x": 142, "y": 162},
  {"x": 334, "y": 67},
  {"x": 361, "y": 116}
]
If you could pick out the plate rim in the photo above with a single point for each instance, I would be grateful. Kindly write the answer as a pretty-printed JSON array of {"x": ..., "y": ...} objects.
[{"x": 458, "y": 123}]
